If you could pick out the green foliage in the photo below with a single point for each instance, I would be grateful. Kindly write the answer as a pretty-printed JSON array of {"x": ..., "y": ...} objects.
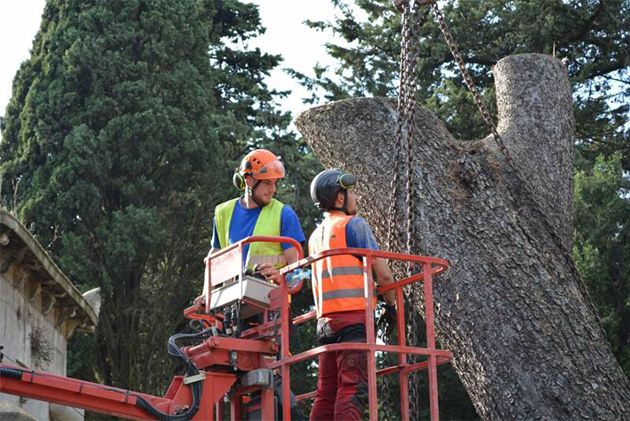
[
  {"x": 591, "y": 37},
  {"x": 127, "y": 121},
  {"x": 119, "y": 140},
  {"x": 602, "y": 246}
]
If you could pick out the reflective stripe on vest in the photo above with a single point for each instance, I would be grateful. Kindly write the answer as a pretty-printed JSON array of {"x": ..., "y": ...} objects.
[
  {"x": 267, "y": 224},
  {"x": 338, "y": 281},
  {"x": 343, "y": 293},
  {"x": 346, "y": 270}
]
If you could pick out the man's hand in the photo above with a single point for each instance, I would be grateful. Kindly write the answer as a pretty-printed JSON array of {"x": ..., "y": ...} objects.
[
  {"x": 387, "y": 320},
  {"x": 269, "y": 272},
  {"x": 389, "y": 314}
]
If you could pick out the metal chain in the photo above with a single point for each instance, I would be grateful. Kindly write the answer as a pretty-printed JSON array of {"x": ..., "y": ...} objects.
[
  {"x": 410, "y": 116},
  {"x": 405, "y": 125},
  {"x": 413, "y": 17},
  {"x": 400, "y": 123},
  {"x": 454, "y": 47},
  {"x": 498, "y": 139}
]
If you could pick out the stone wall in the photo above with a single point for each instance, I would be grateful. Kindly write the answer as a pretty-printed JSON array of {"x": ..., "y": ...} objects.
[
  {"x": 39, "y": 310},
  {"x": 30, "y": 338}
]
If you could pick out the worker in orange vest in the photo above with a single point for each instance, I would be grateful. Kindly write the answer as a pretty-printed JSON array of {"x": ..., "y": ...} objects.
[{"x": 338, "y": 290}]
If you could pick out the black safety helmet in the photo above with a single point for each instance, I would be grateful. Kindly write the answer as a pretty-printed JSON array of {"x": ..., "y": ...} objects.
[{"x": 327, "y": 184}]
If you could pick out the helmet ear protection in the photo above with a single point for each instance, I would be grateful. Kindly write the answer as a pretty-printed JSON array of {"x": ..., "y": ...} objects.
[
  {"x": 239, "y": 181},
  {"x": 347, "y": 180}
]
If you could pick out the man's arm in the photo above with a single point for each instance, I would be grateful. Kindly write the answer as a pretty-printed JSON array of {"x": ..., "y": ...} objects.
[
  {"x": 270, "y": 272},
  {"x": 291, "y": 254},
  {"x": 290, "y": 227},
  {"x": 384, "y": 277},
  {"x": 359, "y": 234}
]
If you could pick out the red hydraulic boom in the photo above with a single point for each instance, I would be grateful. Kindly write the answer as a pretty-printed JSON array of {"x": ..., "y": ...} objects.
[{"x": 245, "y": 343}]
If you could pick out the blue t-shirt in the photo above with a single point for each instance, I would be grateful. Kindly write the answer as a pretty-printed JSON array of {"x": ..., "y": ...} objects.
[
  {"x": 360, "y": 235},
  {"x": 244, "y": 220}
]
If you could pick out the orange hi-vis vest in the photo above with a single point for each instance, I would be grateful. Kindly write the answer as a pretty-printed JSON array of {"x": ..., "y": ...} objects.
[{"x": 338, "y": 281}]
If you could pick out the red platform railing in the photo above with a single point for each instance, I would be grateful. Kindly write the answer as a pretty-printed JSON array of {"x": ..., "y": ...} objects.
[
  {"x": 257, "y": 348},
  {"x": 426, "y": 267}
]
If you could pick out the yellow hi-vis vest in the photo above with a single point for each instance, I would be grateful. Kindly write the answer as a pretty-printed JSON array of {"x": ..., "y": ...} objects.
[
  {"x": 268, "y": 224},
  {"x": 338, "y": 281}
]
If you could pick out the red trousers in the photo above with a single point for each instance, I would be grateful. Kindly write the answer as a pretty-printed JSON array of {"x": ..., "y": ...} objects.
[
  {"x": 342, "y": 392},
  {"x": 341, "y": 387}
]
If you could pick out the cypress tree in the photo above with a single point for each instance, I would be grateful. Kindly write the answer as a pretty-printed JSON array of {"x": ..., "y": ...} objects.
[{"x": 120, "y": 138}]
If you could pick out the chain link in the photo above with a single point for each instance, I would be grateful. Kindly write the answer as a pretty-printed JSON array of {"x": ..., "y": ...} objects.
[
  {"x": 413, "y": 18},
  {"x": 404, "y": 48},
  {"x": 410, "y": 117}
]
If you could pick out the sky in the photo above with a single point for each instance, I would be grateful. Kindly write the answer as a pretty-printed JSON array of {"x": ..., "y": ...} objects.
[
  {"x": 19, "y": 22},
  {"x": 300, "y": 46}
]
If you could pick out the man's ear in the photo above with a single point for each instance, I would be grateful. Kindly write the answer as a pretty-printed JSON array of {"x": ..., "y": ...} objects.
[
  {"x": 249, "y": 181},
  {"x": 339, "y": 200}
]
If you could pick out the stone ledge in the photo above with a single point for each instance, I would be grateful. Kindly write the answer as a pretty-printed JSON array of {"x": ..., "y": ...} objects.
[{"x": 58, "y": 283}]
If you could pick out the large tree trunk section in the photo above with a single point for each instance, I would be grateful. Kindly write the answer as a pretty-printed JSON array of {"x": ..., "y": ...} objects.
[{"x": 526, "y": 340}]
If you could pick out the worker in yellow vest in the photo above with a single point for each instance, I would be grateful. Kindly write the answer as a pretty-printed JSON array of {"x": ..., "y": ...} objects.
[
  {"x": 258, "y": 213},
  {"x": 338, "y": 292}
]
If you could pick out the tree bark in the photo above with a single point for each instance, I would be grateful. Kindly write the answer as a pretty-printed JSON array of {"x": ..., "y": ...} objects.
[{"x": 526, "y": 340}]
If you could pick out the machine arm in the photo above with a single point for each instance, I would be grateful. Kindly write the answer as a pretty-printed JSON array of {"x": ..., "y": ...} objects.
[{"x": 175, "y": 405}]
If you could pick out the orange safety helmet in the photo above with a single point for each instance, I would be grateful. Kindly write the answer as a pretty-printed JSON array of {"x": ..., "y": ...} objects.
[{"x": 260, "y": 164}]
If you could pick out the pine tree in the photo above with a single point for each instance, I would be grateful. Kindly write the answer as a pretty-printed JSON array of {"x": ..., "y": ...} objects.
[
  {"x": 591, "y": 37},
  {"x": 602, "y": 246}
]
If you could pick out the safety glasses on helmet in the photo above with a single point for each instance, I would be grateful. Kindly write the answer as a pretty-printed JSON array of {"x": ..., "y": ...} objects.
[{"x": 347, "y": 180}]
